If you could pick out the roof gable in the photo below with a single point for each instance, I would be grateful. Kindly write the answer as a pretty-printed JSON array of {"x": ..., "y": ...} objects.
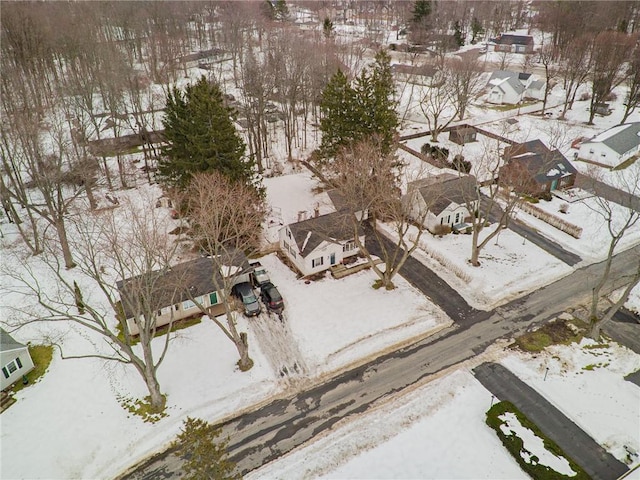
[
  {"x": 8, "y": 343},
  {"x": 542, "y": 163},
  {"x": 440, "y": 191},
  {"x": 333, "y": 227}
]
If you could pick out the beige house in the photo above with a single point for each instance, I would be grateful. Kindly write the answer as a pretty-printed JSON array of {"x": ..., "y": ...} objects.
[{"x": 174, "y": 294}]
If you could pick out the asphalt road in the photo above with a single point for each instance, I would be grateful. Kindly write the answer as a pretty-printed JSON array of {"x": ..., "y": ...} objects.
[
  {"x": 624, "y": 328},
  {"x": 598, "y": 464},
  {"x": 262, "y": 435}
]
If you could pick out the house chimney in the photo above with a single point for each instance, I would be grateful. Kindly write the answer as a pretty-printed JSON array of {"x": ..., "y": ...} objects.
[
  {"x": 316, "y": 210},
  {"x": 302, "y": 215}
]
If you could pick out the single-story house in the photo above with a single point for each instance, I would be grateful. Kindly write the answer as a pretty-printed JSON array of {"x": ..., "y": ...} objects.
[
  {"x": 445, "y": 199},
  {"x": 418, "y": 74},
  {"x": 462, "y": 134},
  {"x": 532, "y": 168},
  {"x": 508, "y": 42},
  {"x": 512, "y": 87},
  {"x": 171, "y": 293},
  {"x": 14, "y": 359},
  {"x": 315, "y": 244},
  {"x": 612, "y": 147}
]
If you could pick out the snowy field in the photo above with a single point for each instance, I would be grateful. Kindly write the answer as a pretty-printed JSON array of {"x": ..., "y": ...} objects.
[
  {"x": 586, "y": 382},
  {"x": 436, "y": 431}
]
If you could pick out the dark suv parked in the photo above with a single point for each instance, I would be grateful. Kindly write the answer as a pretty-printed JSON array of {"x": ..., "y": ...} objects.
[
  {"x": 249, "y": 301},
  {"x": 271, "y": 297}
]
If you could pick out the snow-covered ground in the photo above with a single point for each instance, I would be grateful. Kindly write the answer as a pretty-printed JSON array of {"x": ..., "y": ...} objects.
[
  {"x": 436, "y": 431},
  {"x": 71, "y": 424},
  {"x": 586, "y": 382}
]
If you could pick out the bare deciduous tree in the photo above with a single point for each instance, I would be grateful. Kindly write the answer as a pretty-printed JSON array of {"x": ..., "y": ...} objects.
[
  {"x": 226, "y": 219},
  {"x": 131, "y": 246},
  {"x": 619, "y": 219},
  {"x": 369, "y": 182},
  {"x": 439, "y": 105}
]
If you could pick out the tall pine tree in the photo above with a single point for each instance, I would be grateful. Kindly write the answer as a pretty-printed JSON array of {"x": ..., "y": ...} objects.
[
  {"x": 201, "y": 137},
  {"x": 353, "y": 113}
]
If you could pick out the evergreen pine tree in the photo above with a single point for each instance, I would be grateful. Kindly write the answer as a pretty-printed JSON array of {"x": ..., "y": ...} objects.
[
  {"x": 339, "y": 114},
  {"x": 421, "y": 10},
  {"x": 201, "y": 137},
  {"x": 205, "y": 458},
  {"x": 476, "y": 29},
  {"x": 457, "y": 34},
  {"x": 352, "y": 113}
]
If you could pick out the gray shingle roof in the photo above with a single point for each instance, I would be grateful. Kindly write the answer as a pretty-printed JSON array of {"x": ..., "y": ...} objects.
[
  {"x": 542, "y": 163},
  {"x": 334, "y": 227},
  {"x": 509, "y": 77},
  {"x": 511, "y": 39},
  {"x": 7, "y": 342},
  {"x": 161, "y": 289},
  {"x": 622, "y": 141},
  {"x": 441, "y": 191}
]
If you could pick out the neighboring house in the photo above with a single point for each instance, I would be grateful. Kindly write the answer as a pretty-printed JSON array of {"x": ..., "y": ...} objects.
[
  {"x": 171, "y": 292},
  {"x": 15, "y": 360},
  {"x": 315, "y": 244},
  {"x": 462, "y": 134},
  {"x": 612, "y": 147},
  {"x": 534, "y": 169},
  {"x": 506, "y": 87},
  {"x": 508, "y": 42},
  {"x": 417, "y": 74},
  {"x": 442, "y": 200}
]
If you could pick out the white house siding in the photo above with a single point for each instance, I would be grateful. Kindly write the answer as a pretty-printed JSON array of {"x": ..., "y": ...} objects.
[
  {"x": 503, "y": 94},
  {"x": 599, "y": 153},
  {"x": 177, "y": 312},
  {"x": 15, "y": 364}
]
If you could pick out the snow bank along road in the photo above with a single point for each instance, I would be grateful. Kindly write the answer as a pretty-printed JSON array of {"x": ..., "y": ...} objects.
[{"x": 274, "y": 429}]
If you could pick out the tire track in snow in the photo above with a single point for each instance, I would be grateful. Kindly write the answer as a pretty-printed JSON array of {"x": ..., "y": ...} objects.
[{"x": 279, "y": 345}]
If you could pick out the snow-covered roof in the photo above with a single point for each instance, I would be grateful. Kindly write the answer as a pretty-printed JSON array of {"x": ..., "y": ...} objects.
[
  {"x": 500, "y": 77},
  {"x": 620, "y": 138}
]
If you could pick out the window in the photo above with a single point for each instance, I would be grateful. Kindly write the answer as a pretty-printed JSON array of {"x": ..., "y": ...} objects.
[
  {"x": 293, "y": 254},
  {"x": 457, "y": 218},
  {"x": 159, "y": 313},
  {"x": 213, "y": 298},
  {"x": 289, "y": 234},
  {"x": 591, "y": 150},
  {"x": 349, "y": 246},
  {"x": 187, "y": 304},
  {"x": 286, "y": 246},
  {"x": 11, "y": 367},
  {"x": 316, "y": 262}
]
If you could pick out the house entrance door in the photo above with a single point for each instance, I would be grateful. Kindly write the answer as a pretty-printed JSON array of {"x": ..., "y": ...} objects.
[
  {"x": 332, "y": 259},
  {"x": 554, "y": 184}
]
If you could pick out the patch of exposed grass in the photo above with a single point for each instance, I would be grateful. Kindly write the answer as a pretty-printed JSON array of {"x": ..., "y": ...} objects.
[
  {"x": 593, "y": 366},
  {"x": 506, "y": 107},
  {"x": 41, "y": 356},
  {"x": 177, "y": 325},
  {"x": 515, "y": 445},
  {"x": 552, "y": 333},
  {"x": 627, "y": 163},
  {"x": 596, "y": 346},
  {"x": 143, "y": 408}
]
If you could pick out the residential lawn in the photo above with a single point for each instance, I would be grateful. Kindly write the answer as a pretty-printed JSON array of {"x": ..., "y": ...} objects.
[
  {"x": 552, "y": 333},
  {"x": 41, "y": 356},
  {"x": 515, "y": 445}
]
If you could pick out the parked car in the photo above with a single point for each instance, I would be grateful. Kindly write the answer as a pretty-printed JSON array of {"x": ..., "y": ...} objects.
[
  {"x": 244, "y": 292},
  {"x": 259, "y": 276},
  {"x": 271, "y": 297}
]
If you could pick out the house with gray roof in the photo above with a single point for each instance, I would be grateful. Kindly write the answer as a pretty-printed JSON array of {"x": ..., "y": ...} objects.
[
  {"x": 315, "y": 244},
  {"x": 510, "y": 42},
  {"x": 506, "y": 87},
  {"x": 15, "y": 360},
  {"x": 445, "y": 199},
  {"x": 534, "y": 169},
  {"x": 172, "y": 293},
  {"x": 612, "y": 147}
]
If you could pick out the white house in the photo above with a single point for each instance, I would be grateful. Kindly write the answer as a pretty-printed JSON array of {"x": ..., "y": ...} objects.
[
  {"x": 15, "y": 360},
  {"x": 173, "y": 294},
  {"x": 315, "y": 244},
  {"x": 441, "y": 200},
  {"x": 505, "y": 87},
  {"x": 612, "y": 147}
]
